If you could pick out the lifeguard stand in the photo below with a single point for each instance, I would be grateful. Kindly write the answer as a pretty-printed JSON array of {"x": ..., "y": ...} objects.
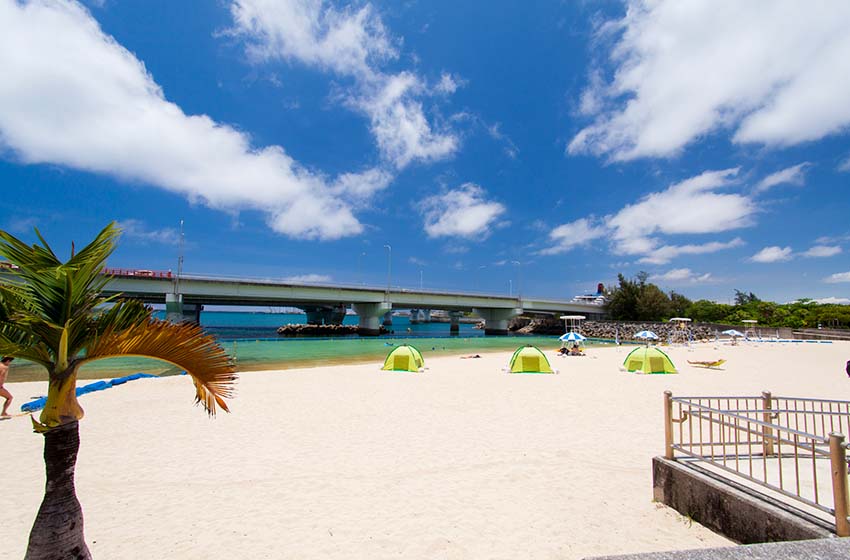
[
  {"x": 681, "y": 333},
  {"x": 749, "y": 328},
  {"x": 572, "y": 323}
]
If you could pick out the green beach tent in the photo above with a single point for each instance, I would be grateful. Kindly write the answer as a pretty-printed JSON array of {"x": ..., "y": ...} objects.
[
  {"x": 529, "y": 359},
  {"x": 404, "y": 358},
  {"x": 648, "y": 359}
]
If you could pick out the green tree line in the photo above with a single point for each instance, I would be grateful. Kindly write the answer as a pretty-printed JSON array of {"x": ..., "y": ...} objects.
[{"x": 637, "y": 299}]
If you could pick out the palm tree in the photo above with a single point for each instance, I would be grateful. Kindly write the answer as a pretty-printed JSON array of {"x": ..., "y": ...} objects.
[{"x": 52, "y": 313}]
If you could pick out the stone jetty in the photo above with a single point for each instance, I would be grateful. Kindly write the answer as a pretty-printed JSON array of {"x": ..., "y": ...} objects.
[{"x": 321, "y": 330}]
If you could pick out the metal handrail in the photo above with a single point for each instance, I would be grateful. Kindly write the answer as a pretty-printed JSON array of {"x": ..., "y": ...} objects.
[{"x": 739, "y": 433}]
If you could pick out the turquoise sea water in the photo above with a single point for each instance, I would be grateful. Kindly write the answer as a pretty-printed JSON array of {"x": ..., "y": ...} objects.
[{"x": 252, "y": 340}]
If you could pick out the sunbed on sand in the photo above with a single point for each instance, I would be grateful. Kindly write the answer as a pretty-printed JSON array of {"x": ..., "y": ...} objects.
[{"x": 707, "y": 364}]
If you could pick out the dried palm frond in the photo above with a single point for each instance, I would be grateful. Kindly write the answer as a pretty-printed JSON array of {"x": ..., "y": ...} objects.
[{"x": 185, "y": 345}]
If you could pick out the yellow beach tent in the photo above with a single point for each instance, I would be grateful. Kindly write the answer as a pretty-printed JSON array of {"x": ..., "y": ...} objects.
[
  {"x": 529, "y": 359},
  {"x": 648, "y": 359},
  {"x": 404, "y": 358}
]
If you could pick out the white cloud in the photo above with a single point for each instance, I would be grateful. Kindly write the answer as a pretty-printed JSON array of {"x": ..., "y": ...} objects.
[
  {"x": 308, "y": 279},
  {"x": 832, "y": 299},
  {"x": 463, "y": 212},
  {"x": 768, "y": 71},
  {"x": 398, "y": 121},
  {"x": 795, "y": 175},
  {"x": 351, "y": 43},
  {"x": 837, "y": 277},
  {"x": 663, "y": 255},
  {"x": 448, "y": 84},
  {"x": 495, "y": 131},
  {"x": 361, "y": 185},
  {"x": 822, "y": 251},
  {"x": 568, "y": 236},
  {"x": 71, "y": 95},
  {"x": 455, "y": 249},
  {"x": 827, "y": 239},
  {"x": 772, "y": 254},
  {"x": 136, "y": 229},
  {"x": 682, "y": 276},
  {"x": 345, "y": 41},
  {"x": 692, "y": 206}
]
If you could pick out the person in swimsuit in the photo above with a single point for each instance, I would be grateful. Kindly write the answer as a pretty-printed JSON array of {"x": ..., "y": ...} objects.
[{"x": 4, "y": 371}]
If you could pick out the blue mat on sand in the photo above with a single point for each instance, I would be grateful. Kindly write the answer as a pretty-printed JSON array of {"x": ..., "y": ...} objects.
[{"x": 38, "y": 404}]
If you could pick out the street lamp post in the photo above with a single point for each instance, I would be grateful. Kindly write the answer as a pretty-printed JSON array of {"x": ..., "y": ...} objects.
[
  {"x": 420, "y": 279},
  {"x": 179, "y": 261},
  {"x": 510, "y": 288},
  {"x": 389, "y": 266}
]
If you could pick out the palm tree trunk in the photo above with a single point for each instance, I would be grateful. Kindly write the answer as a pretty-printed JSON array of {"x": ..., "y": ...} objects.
[{"x": 58, "y": 529}]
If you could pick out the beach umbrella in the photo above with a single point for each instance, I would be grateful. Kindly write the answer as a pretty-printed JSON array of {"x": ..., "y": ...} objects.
[
  {"x": 646, "y": 335},
  {"x": 733, "y": 333},
  {"x": 572, "y": 337}
]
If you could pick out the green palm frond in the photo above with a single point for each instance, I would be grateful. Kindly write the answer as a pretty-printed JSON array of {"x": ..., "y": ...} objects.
[
  {"x": 184, "y": 345},
  {"x": 19, "y": 342},
  {"x": 19, "y": 253},
  {"x": 58, "y": 291},
  {"x": 16, "y": 339}
]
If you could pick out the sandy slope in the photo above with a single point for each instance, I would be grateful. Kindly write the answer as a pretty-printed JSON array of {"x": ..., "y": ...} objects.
[{"x": 463, "y": 461}]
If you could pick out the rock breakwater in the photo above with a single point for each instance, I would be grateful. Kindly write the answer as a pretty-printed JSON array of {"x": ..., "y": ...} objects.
[
  {"x": 322, "y": 330},
  {"x": 610, "y": 329}
]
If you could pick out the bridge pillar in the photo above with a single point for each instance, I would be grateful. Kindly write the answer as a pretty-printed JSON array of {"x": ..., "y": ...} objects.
[
  {"x": 388, "y": 318},
  {"x": 314, "y": 316},
  {"x": 324, "y": 314},
  {"x": 369, "y": 315},
  {"x": 414, "y": 316},
  {"x": 174, "y": 308},
  {"x": 192, "y": 312},
  {"x": 496, "y": 320},
  {"x": 178, "y": 312},
  {"x": 454, "y": 321},
  {"x": 426, "y": 315}
]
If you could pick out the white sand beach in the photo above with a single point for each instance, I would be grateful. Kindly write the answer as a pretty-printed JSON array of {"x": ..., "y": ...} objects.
[{"x": 462, "y": 461}]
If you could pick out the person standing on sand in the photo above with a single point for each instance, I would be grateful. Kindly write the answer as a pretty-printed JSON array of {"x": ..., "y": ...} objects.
[{"x": 4, "y": 371}]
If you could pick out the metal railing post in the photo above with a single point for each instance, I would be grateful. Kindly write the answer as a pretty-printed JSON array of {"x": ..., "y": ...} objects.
[
  {"x": 668, "y": 424},
  {"x": 838, "y": 460},
  {"x": 767, "y": 433}
]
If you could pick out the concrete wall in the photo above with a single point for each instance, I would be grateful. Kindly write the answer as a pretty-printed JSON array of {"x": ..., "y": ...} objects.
[{"x": 728, "y": 508}]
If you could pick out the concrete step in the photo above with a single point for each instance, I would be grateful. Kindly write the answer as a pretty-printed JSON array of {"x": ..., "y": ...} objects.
[{"x": 819, "y": 549}]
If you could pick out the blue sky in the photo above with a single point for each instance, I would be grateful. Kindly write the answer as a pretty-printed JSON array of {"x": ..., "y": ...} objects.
[{"x": 494, "y": 148}]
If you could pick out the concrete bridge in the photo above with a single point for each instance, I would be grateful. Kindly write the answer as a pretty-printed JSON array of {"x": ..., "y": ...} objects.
[{"x": 328, "y": 303}]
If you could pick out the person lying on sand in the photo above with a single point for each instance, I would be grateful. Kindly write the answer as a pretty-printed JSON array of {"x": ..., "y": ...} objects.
[
  {"x": 708, "y": 363},
  {"x": 470, "y": 356}
]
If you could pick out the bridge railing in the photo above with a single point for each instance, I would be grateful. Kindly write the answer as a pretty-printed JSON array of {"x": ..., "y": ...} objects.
[
  {"x": 137, "y": 273},
  {"x": 788, "y": 448}
]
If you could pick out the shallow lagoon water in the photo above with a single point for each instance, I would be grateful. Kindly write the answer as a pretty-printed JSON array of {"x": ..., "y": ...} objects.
[{"x": 251, "y": 339}]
